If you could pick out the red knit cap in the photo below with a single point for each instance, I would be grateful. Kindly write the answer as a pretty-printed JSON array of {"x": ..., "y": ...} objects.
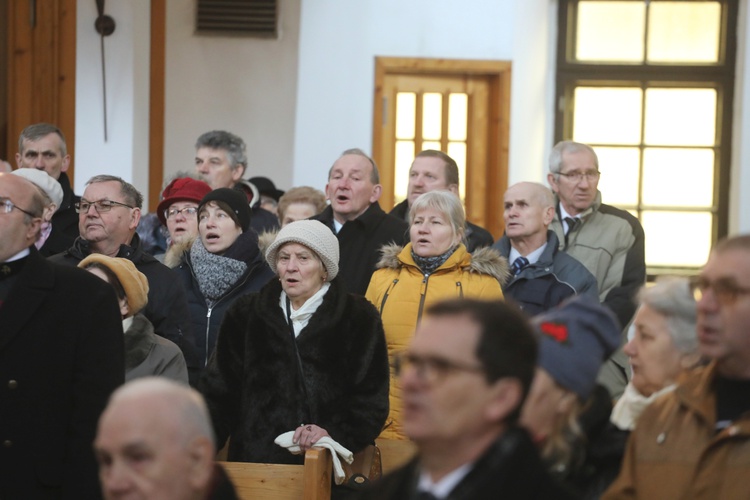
[{"x": 182, "y": 189}]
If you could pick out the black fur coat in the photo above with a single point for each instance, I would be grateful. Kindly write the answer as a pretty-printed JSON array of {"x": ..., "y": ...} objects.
[{"x": 251, "y": 383}]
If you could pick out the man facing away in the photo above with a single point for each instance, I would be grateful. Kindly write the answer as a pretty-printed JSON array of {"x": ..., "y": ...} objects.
[
  {"x": 695, "y": 442},
  {"x": 543, "y": 275},
  {"x": 155, "y": 442},
  {"x": 431, "y": 170},
  {"x": 109, "y": 211},
  {"x": 605, "y": 239},
  {"x": 42, "y": 146},
  {"x": 61, "y": 356},
  {"x": 465, "y": 377},
  {"x": 356, "y": 218},
  {"x": 221, "y": 161}
]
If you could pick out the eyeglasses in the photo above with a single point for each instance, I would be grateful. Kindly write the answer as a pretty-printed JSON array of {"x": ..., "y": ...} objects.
[
  {"x": 8, "y": 206},
  {"x": 187, "y": 211},
  {"x": 431, "y": 369},
  {"x": 726, "y": 290},
  {"x": 590, "y": 175},
  {"x": 101, "y": 206}
]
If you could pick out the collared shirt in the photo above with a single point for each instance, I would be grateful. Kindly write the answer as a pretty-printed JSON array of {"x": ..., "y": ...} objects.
[
  {"x": 337, "y": 225},
  {"x": 20, "y": 255},
  {"x": 563, "y": 215},
  {"x": 442, "y": 488},
  {"x": 532, "y": 257}
]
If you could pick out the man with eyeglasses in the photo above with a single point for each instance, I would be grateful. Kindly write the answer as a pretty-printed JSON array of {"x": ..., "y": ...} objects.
[
  {"x": 698, "y": 436},
  {"x": 108, "y": 212},
  {"x": 465, "y": 377},
  {"x": 61, "y": 355},
  {"x": 605, "y": 239}
]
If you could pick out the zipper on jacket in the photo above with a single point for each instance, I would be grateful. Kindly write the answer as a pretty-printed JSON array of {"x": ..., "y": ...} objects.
[
  {"x": 460, "y": 290},
  {"x": 385, "y": 296},
  {"x": 422, "y": 297},
  {"x": 208, "y": 326}
]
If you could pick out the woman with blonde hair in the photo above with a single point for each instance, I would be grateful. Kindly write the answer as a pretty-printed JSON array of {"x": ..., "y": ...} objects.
[{"x": 434, "y": 266}]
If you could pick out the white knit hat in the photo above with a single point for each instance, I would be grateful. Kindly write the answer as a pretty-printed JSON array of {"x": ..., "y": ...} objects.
[
  {"x": 315, "y": 236},
  {"x": 42, "y": 180}
]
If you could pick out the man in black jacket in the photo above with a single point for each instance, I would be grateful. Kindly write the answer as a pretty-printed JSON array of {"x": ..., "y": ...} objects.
[
  {"x": 464, "y": 378},
  {"x": 61, "y": 355},
  {"x": 42, "y": 146},
  {"x": 356, "y": 218},
  {"x": 109, "y": 211},
  {"x": 433, "y": 170}
]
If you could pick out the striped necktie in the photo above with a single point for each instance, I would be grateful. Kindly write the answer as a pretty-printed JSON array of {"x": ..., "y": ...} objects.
[
  {"x": 573, "y": 223},
  {"x": 518, "y": 265}
]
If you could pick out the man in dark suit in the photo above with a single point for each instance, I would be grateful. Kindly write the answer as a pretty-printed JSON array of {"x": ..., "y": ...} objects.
[
  {"x": 61, "y": 355},
  {"x": 464, "y": 379},
  {"x": 356, "y": 218}
]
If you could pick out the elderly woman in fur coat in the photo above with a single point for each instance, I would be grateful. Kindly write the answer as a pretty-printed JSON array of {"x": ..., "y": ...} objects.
[
  {"x": 300, "y": 354},
  {"x": 434, "y": 266}
]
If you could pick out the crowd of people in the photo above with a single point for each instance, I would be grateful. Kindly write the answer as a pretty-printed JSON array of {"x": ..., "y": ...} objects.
[{"x": 538, "y": 364}]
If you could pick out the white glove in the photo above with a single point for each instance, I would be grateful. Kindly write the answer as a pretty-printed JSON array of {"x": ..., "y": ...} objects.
[{"x": 285, "y": 441}]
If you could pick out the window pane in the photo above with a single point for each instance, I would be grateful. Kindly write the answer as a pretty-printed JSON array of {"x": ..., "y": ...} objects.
[
  {"x": 404, "y": 156},
  {"x": 610, "y": 31},
  {"x": 457, "y": 116},
  {"x": 682, "y": 117},
  {"x": 406, "y": 109},
  {"x": 432, "y": 112},
  {"x": 684, "y": 32},
  {"x": 689, "y": 173},
  {"x": 431, "y": 145},
  {"x": 607, "y": 115},
  {"x": 619, "y": 180},
  {"x": 457, "y": 151},
  {"x": 665, "y": 238}
]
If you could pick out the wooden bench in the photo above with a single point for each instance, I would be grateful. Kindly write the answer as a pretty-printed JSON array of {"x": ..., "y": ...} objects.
[{"x": 311, "y": 481}]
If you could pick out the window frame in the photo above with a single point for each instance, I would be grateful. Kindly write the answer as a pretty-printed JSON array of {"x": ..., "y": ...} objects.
[{"x": 720, "y": 76}]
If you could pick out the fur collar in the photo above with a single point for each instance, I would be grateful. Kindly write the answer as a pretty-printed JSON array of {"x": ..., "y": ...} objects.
[{"x": 485, "y": 260}]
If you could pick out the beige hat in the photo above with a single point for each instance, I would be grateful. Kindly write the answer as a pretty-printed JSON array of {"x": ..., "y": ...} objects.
[
  {"x": 132, "y": 280},
  {"x": 314, "y": 235},
  {"x": 42, "y": 180}
]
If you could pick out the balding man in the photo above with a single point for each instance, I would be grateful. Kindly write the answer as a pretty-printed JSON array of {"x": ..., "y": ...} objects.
[
  {"x": 61, "y": 355},
  {"x": 155, "y": 442},
  {"x": 543, "y": 276}
]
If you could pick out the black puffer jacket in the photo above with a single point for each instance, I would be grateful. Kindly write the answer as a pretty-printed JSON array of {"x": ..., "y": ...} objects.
[
  {"x": 252, "y": 383},
  {"x": 205, "y": 320}
]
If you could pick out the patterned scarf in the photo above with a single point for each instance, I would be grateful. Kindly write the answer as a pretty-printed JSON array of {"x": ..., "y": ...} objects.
[
  {"x": 428, "y": 264},
  {"x": 215, "y": 273}
]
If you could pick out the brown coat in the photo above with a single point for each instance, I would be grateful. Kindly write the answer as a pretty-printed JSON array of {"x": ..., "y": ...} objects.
[{"x": 674, "y": 452}]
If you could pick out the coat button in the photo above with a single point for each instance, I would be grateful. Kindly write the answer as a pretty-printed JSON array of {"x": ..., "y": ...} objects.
[
  {"x": 7, "y": 443},
  {"x": 12, "y": 384}
]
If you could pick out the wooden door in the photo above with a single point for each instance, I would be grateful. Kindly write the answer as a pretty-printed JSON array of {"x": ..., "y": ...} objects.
[{"x": 459, "y": 107}]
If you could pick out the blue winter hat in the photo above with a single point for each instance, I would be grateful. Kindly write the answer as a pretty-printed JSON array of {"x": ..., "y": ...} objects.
[{"x": 574, "y": 340}]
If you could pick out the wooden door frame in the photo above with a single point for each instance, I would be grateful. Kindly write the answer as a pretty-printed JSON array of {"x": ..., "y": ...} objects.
[
  {"x": 157, "y": 90},
  {"x": 498, "y": 137}
]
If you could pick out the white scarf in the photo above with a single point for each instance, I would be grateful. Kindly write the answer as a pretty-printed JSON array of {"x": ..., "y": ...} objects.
[
  {"x": 631, "y": 404},
  {"x": 302, "y": 316}
]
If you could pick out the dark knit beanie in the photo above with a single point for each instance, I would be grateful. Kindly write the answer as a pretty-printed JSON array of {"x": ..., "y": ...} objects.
[
  {"x": 575, "y": 339},
  {"x": 235, "y": 200}
]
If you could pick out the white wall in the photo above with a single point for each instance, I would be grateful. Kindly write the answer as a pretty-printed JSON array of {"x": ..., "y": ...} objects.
[
  {"x": 739, "y": 196},
  {"x": 244, "y": 85},
  {"x": 127, "y": 61},
  {"x": 340, "y": 39}
]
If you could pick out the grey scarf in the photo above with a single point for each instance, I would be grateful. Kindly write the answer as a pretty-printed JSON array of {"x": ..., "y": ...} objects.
[{"x": 215, "y": 273}]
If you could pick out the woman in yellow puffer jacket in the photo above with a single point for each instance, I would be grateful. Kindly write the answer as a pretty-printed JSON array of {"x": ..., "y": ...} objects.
[{"x": 434, "y": 266}]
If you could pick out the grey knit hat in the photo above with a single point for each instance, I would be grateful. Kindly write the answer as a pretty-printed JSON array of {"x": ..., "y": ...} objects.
[
  {"x": 575, "y": 339},
  {"x": 315, "y": 236},
  {"x": 46, "y": 183}
]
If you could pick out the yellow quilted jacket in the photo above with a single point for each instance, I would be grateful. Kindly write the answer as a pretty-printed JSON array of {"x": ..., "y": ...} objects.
[{"x": 400, "y": 291}]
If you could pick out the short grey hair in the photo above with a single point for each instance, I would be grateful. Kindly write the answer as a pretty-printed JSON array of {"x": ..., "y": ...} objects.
[
  {"x": 132, "y": 196},
  {"x": 671, "y": 298},
  {"x": 231, "y": 144},
  {"x": 444, "y": 202},
  {"x": 562, "y": 147},
  {"x": 374, "y": 173},
  {"x": 39, "y": 130}
]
